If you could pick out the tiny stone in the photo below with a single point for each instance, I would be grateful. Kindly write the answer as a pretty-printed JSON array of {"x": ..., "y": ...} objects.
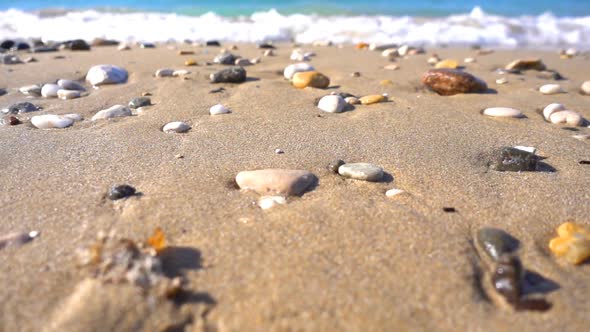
[
  {"x": 186, "y": 52},
  {"x": 279, "y": 151},
  {"x": 449, "y": 209},
  {"x": 361, "y": 171},
  {"x": 352, "y": 100},
  {"x": 584, "y": 162},
  {"x": 333, "y": 166},
  {"x": 70, "y": 85},
  {"x": 469, "y": 60},
  {"x": 164, "y": 72},
  {"x": 290, "y": 70},
  {"x": 256, "y": 60},
  {"x": 448, "y": 64},
  {"x": 515, "y": 160},
  {"x": 229, "y": 75},
  {"x": 266, "y": 46},
  {"x": 219, "y": 109},
  {"x": 391, "y": 67},
  {"x": 121, "y": 191},
  {"x": 12, "y": 121},
  {"x": 178, "y": 156},
  {"x": 501, "y": 80},
  {"x": 147, "y": 45},
  {"x": 140, "y": 102},
  {"x": 190, "y": 62},
  {"x": 176, "y": 127},
  {"x": 68, "y": 94},
  {"x": 355, "y": 74},
  {"x": 568, "y": 117},
  {"x": 33, "y": 90},
  {"x": 372, "y": 99},
  {"x": 145, "y": 94},
  {"x": 213, "y": 43},
  {"x": 180, "y": 72},
  {"x": 526, "y": 64},
  {"x": 310, "y": 79},
  {"x": 225, "y": 59},
  {"x": 123, "y": 47},
  {"x": 269, "y": 53},
  {"x": 528, "y": 149},
  {"x": 267, "y": 202},
  {"x": 585, "y": 88},
  {"x": 17, "y": 239}
]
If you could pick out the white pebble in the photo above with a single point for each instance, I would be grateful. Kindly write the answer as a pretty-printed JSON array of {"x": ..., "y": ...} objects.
[
  {"x": 552, "y": 108},
  {"x": 68, "y": 94},
  {"x": 331, "y": 104},
  {"x": 433, "y": 60},
  {"x": 49, "y": 121},
  {"x": 33, "y": 90},
  {"x": 389, "y": 52},
  {"x": 269, "y": 52},
  {"x": 112, "y": 112},
  {"x": 570, "y": 118},
  {"x": 290, "y": 70},
  {"x": 279, "y": 151},
  {"x": 529, "y": 149},
  {"x": 403, "y": 50},
  {"x": 267, "y": 202},
  {"x": 74, "y": 116},
  {"x": 256, "y": 60},
  {"x": 106, "y": 74},
  {"x": 393, "y": 192},
  {"x": 550, "y": 89},
  {"x": 176, "y": 127},
  {"x": 50, "y": 90},
  {"x": 505, "y": 112},
  {"x": 180, "y": 72},
  {"x": 469, "y": 60},
  {"x": 585, "y": 88},
  {"x": 501, "y": 80},
  {"x": 218, "y": 109}
]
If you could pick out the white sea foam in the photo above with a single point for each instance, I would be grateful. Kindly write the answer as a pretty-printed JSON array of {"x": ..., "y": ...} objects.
[{"x": 476, "y": 27}]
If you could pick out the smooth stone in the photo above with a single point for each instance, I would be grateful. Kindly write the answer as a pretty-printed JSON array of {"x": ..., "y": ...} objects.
[
  {"x": 515, "y": 160},
  {"x": 505, "y": 112},
  {"x": 229, "y": 75},
  {"x": 243, "y": 62},
  {"x": 186, "y": 52},
  {"x": 352, "y": 100},
  {"x": 213, "y": 43},
  {"x": 372, "y": 99},
  {"x": 77, "y": 45},
  {"x": 267, "y": 202},
  {"x": 73, "y": 116},
  {"x": 176, "y": 127},
  {"x": 32, "y": 90},
  {"x": 275, "y": 181},
  {"x": 2, "y": 92},
  {"x": 17, "y": 239},
  {"x": 50, "y": 90},
  {"x": 331, "y": 104},
  {"x": 104, "y": 42},
  {"x": 120, "y": 191},
  {"x": 391, "y": 67},
  {"x": 68, "y": 94},
  {"x": 526, "y": 64},
  {"x": 164, "y": 72},
  {"x": 290, "y": 70},
  {"x": 447, "y": 82},
  {"x": 269, "y": 53},
  {"x": 496, "y": 242},
  {"x": 180, "y": 72},
  {"x": 528, "y": 149},
  {"x": 70, "y": 85},
  {"x": 19, "y": 108},
  {"x": 225, "y": 59},
  {"x": 115, "y": 111},
  {"x": 190, "y": 62},
  {"x": 310, "y": 79},
  {"x": 49, "y": 121},
  {"x": 585, "y": 88},
  {"x": 394, "y": 192},
  {"x": 140, "y": 102},
  {"x": 552, "y": 108},
  {"x": 501, "y": 81},
  {"x": 361, "y": 171},
  {"x": 219, "y": 109},
  {"x": 447, "y": 63},
  {"x": 570, "y": 118},
  {"x": 9, "y": 59},
  {"x": 550, "y": 89},
  {"x": 106, "y": 74},
  {"x": 403, "y": 50}
]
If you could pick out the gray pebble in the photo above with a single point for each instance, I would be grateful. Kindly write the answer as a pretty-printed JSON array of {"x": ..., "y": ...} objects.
[
  {"x": 140, "y": 102},
  {"x": 229, "y": 75},
  {"x": 24, "y": 107},
  {"x": 361, "y": 171},
  {"x": 496, "y": 242}
]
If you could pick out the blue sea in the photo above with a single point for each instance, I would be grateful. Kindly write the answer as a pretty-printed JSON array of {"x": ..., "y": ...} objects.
[{"x": 505, "y": 23}]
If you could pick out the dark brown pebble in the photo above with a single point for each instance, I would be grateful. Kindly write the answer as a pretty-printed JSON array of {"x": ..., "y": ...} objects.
[
  {"x": 584, "y": 162},
  {"x": 447, "y": 82},
  {"x": 121, "y": 191},
  {"x": 449, "y": 209},
  {"x": 13, "y": 121}
]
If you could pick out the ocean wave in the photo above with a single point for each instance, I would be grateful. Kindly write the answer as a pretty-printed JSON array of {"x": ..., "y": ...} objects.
[{"x": 476, "y": 27}]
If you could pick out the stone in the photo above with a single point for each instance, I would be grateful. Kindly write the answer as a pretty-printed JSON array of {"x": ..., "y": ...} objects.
[
  {"x": 17, "y": 239},
  {"x": 43, "y": 49},
  {"x": 515, "y": 160},
  {"x": 9, "y": 59},
  {"x": 549, "y": 75},
  {"x": 496, "y": 242},
  {"x": 256, "y": 60},
  {"x": 394, "y": 192},
  {"x": 120, "y": 191},
  {"x": 115, "y": 111},
  {"x": 333, "y": 166},
  {"x": 267, "y": 202},
  {"x": 331, "y": 104},
  {"x": 70, "y": 85},
  {"x": 265, "y": 46},
  {"x": 190, "y": 62},
  {"x": 572, "y": 243},
  {"x": 140, "y": 102},
  {"x": 164, "y": 72},
  {"x": 469, "y": 60},
  {"x": 19, "y": 108},
  {"x": 73, "y": 116},
  {"x": 225, "y": 59},
  {"x": 550, "y": 89},
  {"x": 68, "y": 94},
  {"x": 504, "y": 112},
  {"x": 570, "y": 118},
  {"x": 310, "y": 79},
  {"x": 7, "y": 44},
  {"x": 186, "y": 52},
  {"x": 447, "y": 63},
  {"x": 526, "y": 64},
  {"x": 361, "y": 171},
  {"x": 213, "y": 43},
  {"x": 269, "y": 53},
  {"x": 290, "y": 70},
  {"x": 123, "y": 47},
  {"x": 2, "y": 91},
  {"x": 386, "y": 82},
  {"x": 32, "y": 90},
  {"x": 176, "y": 127},
  {"x": 403, "y": 50},
  {"x": 106, "y": 74},
  {"x": 447, "y": 82},
  {"x": 104, "y": 42},
  {"x": 284, "y": 182},
  {"x": 552, "y": 108},
  {"x": 391, "y": 67},
  {"x": 433, "y": 60},
  {"x": 372, "y": 99},
  {"x": 229, "y": 75},
  {"x": 585, "y": 88},
  {"x": 361, "y": 46},
  {"x": 180, "y": 72},
  {"x": 389, "y": 53},
  {"x": 50, "y": 90},
  {"x": 76, "y": 45},
  {"x": 501, "y": 80},
  {"x": 49, "y": 121},
  {"x": 10, "y": 120},
  {"x": 147, "y": 45},
  {"x": 218, "y": 109},
  {"x": 352, "y": 100},
  {"x": 243, "y": 62}
]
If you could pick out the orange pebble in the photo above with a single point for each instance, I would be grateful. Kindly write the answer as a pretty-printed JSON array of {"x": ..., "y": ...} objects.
[{"x": 362, "y": 46}]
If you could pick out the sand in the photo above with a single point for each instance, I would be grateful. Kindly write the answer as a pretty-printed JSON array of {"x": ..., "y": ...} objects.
[{"x": 342, "y": 257}]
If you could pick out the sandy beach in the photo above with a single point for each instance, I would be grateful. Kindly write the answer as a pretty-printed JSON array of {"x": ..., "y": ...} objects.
[{"x": 341, "y": 257}]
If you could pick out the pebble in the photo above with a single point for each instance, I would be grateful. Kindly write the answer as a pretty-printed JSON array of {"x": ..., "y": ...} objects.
[
  {"x": 120, "y": 191},
  {"x": 243, "y": 62},
  {"x": 186, "y": 52},
  {"x": 267, "y": 202},
  {"x": 17, "y": 239},
  {"x": 550, "y": 89},
  {"x": 447, "y": 63},
  {"x": 225, "y": 59},
  {"x": 501, "y": 80},
  {"x": 219, "y": 109},
  {"x": 279, "y": 151},
  {"x": 229, "y": 75},
  {"x": 528, "y": 149},
  {"x": 526, "y": 64},
  {"x": 372, "y": 99},
  {"x": 164, "y": 72},
  {"x": 49, "y": 121},
  {"x": 18, "y": 108},
  {"x": 9, "y": 59},
  {"x": 73, "y": 116},
  {"x": 447, "y": 82},
  {"x": 433, "y": 60},
  {"x": 394, "y": 192},
  {"x": 112, "y": 112},
  {"x": 507, "y": 278},
  {"x": 496, "y": 242},
  {"x": 70, "y": 85},
  {"x": 352, "y": 100},
  {"x": 29, "y": 59},
  {"x": 77, "y": 45},
  {"x": 176, "y": 127},
  {"x": 570, "y": 118},
  {"x": 469, "y": 60},
  {"x": 180, "y": 72},
  {"x": 269, "y": 53},
  {"x": 331, "y": 104},
  {"x": 552, "y": 108},
  {"x": 333, "y": 166},
  {"x": 68, "y": 94},
  {"x": 390, "y": 52},
  {"x": 32, "y": 90},
  {"x": 256, "y": 60},
  {"x": 505, "y": 112},
  {"x": 190, "y": 62},
  {"x": 106, "y": 74},
  {"x": 44, "y": 49},
  {"x": 265, "y": 46},
  {"x": 515, "y": 160},
  {"x": 140, "y": 102},
  {"x": 385, "y": 82},
  {"x": 2, "y": 92},
  {"x": 391, "y": 67},
  {"x": 147, "y": 45},
  {"x": 361, "y": 171},
  {"x": 50, "y": 90},
  {"x": 585, "y": 88},
  {"x": 213, "y": 43},
  {"x": 310, "y": 79},
  {"x": 290, "y": 70},
  {"x": 11, "y": 121},
  {"x": 284, "y": 182},
  {"x": 572, "y": 243}
]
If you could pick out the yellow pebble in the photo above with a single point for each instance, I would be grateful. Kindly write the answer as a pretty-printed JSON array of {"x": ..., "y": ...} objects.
[
  {"x": 573, "y": 242},
  {"x": 386, "y": 82},
  {"x": 310, "y": 78},
  {"x": 372, "y": 99},
  {"x": 448, "y": 63},
  {"x": 579, "y": 249},
  {"x": 190, "y": 62},
  {"x": 361, "y": 46},
  {"x": 559, "y": 245}
]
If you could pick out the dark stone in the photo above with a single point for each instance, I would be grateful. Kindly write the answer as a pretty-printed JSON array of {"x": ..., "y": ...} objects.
[
  {"x": 43, "y": 49},
  {"x": 225, "y": 59},
  {"x": 507, "y": 278},
  {"x": 333, "y": 166},
  {"x": 7, "y": 44},
  {"x": 496, "y": 242},
  {"x": 9, "y": 59},
  {"x": 23, "y": 107},
  {"x": 584, "y": 162},
  {"x": 447, "y": 82},
  {"x": 140, "y": 102},
  {"x": 266, "y": 46},
  {"x": 21, "y": 47},
  {"x": 449, "y": 209},
  {"x": 515, "y": 160},
  {"x": 229, "y": 75},
  {"x": 121, "y": 191},
  {"x": 147, "y": 45},
  {"x": 104, "y": 42},
  {"x": 2, "y": 92},
  {"x": 77, "y": 45},
  {"x": 13, "y": 121},
  {"x": 214, "y": 43}
]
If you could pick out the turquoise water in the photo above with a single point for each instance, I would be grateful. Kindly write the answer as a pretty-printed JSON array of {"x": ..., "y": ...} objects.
[{"x": 347, "y": 7}]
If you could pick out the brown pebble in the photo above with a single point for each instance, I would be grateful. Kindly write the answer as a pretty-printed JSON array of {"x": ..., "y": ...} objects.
[
  {"x": 183, "y": 52},
  {"x": 13, "y": 121},
  {"x": 447, "y": 82},
  {"x": 526, "y": 64},
  {"x": 310, "y": 79},
  {"x": 145, "y": 94}
]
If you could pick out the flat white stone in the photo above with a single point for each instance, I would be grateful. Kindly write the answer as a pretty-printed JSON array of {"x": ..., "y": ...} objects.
[
  {"x": 290, "y": 70},
  {"x": 501, "y": 80},
  {"x": 331, "y": 104},
  {"x": 68, "y": 94},
  {"x": 164, "y": 72},
  {"x": 176, "y": 127},
  {"x": 529, "y": 149},
  {"x": 570, "y": 118},
  {"x": 505, "y": 112},
  {"x": 49, "y": 121},
  {"x": 32, "y": 90},
  {"x": 70, "y": 85},
  {"x": 106, "y": 74},
  {"x": 180, "y": 72},
  {"x": 267, "y": 202},
  {"x": 550, "y": 89},
  {"x": 218, "y": 109},
  {"x": 112, "y": 112},
  {"x": 552, "y": 108},
  {"x": 50, "y": 90},
  {"x": 585, "y": 88},
  {"x": 393, "y": 192},
  {"x": 361, "y": 171},
  {"x": 283, "y": 182}
]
